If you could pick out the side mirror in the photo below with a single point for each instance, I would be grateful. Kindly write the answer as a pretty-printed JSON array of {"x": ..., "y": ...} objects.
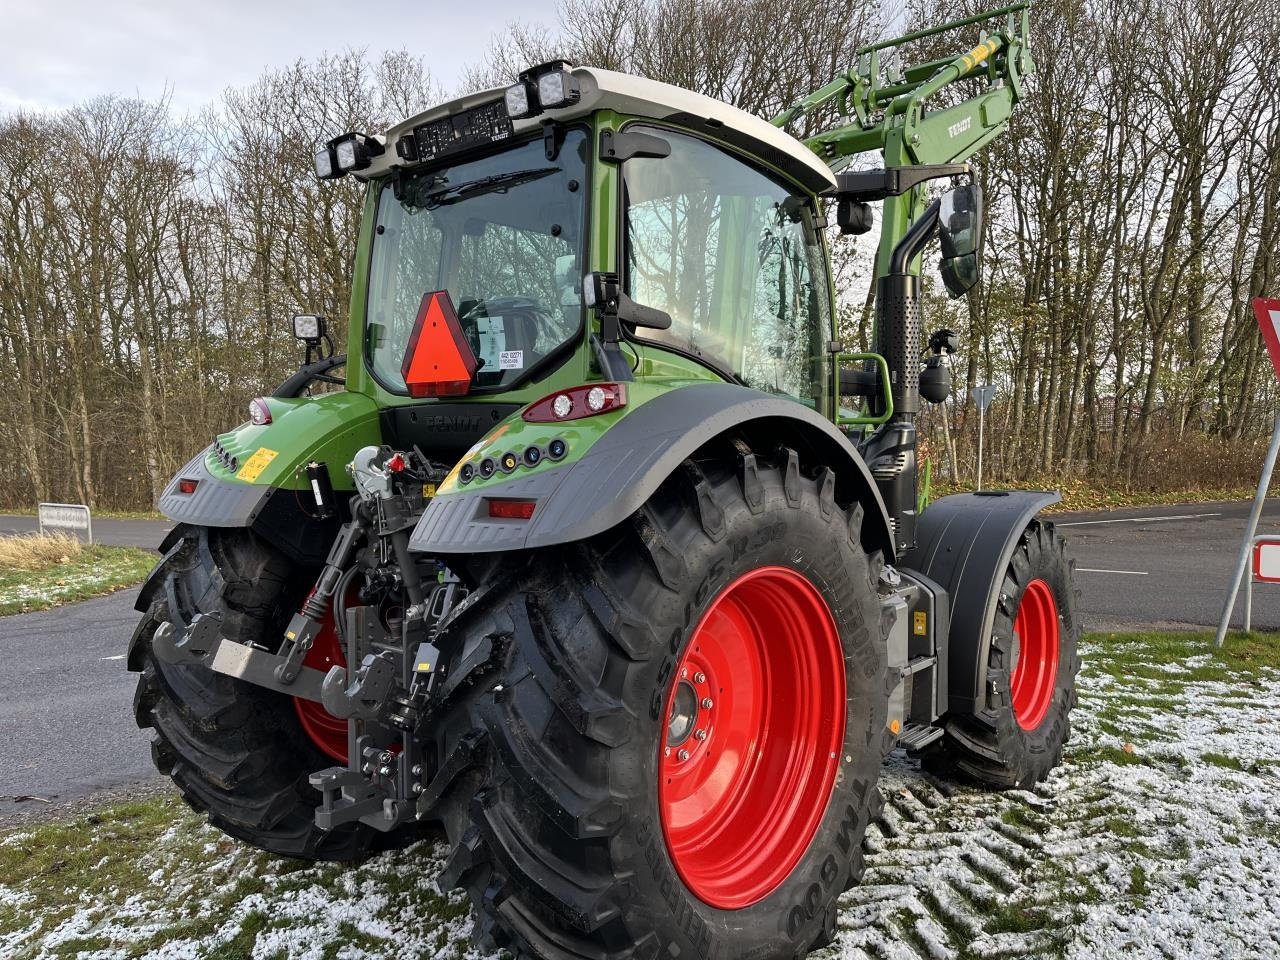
[
  {"x": 960, "y": 228},
  {"x": 309, "y": 328}
]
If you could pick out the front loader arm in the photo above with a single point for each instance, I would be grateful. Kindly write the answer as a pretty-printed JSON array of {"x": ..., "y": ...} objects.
[
  {"x": 892, "y": 115},
  {"x": 881, "y": 112}
]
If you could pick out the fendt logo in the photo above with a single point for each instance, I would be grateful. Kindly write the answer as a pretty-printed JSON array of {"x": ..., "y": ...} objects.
[
  {"x": 439, "y": 424},
  {"x": 959, "y": 127}
]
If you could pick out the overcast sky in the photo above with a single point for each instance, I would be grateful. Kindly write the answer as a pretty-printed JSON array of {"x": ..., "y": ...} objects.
[{"x": 59, "y": 52}]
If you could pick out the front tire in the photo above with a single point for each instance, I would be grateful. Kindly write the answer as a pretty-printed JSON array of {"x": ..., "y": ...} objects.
[
  {"x": 566, "y": 716},
  {"x": 1018, "y": 738}
]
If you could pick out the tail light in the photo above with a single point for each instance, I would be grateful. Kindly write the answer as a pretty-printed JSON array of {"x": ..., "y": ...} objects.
[
  {"x": 575, "y": 403},
  {"x": 259, "y": 412},
  {"x": 187, "y": 485}
]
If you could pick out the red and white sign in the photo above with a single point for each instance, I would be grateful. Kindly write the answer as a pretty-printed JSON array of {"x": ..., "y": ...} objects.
[
  {"x": 1268, "y": 313},
  {"x": 1266, "y": 561}
]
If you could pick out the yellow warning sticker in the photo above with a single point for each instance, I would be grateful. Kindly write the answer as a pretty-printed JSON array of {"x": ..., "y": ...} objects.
[
  {"x": 920, "y": 624},
  {"x": 256, "y": 464},
  {"x": 428, "y": 490}
]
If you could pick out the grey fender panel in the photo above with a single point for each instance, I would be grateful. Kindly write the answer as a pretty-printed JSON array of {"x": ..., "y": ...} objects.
[
  {"x": 273, "y": 514},
  {"x": 216, "y": 503},
  {"x": 625, "y": 466},
  {"x": 964, "y": 543}
]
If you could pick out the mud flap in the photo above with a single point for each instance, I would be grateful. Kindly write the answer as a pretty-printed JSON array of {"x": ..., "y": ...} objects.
[{"x": 964, "y": 543}]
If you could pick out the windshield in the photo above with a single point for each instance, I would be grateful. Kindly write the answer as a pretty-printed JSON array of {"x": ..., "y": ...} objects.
[{"x": 503, "y": 234}]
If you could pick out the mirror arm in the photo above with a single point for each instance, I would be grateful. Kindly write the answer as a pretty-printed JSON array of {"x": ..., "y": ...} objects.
[
  {"x": 296, "y": 382},
  {"x": 913, "y": 242}
]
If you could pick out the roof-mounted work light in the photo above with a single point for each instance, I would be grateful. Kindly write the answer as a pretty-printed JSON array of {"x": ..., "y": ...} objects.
[
  {"x": 558, "y": 88},
  {"x": 341, "y": 155},
  {"x": 549, "y": 86},
  {"x": 520, "y": 101},
  {"x": 355, "y": 151},
  {"x": 326, "y": 166}
]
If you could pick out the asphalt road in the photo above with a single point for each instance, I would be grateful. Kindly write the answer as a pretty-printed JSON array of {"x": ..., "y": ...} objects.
[
  {"x": 66, "y": 721},
  {"x": 1165, "y": 567},
  {"x": 66, "y": 704},
  {"x": 112, "y": 533}
]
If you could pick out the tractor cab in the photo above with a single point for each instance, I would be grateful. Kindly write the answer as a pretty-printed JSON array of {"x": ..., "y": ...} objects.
[{"x": 519, "y": 207}]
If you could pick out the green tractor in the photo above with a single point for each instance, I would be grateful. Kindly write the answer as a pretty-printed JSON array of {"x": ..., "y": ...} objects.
[{"x": 604, "y": 555}]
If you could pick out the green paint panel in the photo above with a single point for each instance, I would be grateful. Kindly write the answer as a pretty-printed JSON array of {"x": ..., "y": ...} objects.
[
  {"x": 514, "y": 435},
  {"x": 329, "y": 428}
]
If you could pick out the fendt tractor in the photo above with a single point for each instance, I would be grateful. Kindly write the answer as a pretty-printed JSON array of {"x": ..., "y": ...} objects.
[{"x": 597, "y": 549}]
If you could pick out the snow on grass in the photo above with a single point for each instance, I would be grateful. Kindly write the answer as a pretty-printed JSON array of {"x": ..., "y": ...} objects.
[
  {"x": 1159, "y": 836},
  {"x": 91, "y": 572}
]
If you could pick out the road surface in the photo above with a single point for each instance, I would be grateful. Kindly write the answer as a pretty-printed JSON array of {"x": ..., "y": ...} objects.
[
  {"x": 112, "y": 533},
  {"x": 1165, "y": 567},
  {"x": 66, "y": 699}
]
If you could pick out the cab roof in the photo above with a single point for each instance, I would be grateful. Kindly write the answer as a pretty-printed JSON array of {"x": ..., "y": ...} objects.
[{"x": 637, "y": 96}]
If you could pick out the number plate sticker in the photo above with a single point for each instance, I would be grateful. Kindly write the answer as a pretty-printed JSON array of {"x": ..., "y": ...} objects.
[
  {"x": 511, "y": 360},
  {"x": 252, "y": 467}
]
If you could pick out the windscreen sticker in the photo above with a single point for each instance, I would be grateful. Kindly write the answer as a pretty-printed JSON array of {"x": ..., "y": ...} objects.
[
  {"x": 511, "y": 360},
  {"x": 256, "y": 464}
]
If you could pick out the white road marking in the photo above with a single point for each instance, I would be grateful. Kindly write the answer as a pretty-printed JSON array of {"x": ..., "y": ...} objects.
[
  {"x": 1132, "y": 573},
  {"x": 1185, "y": 516},
  {"x": 121, "y": 657}
]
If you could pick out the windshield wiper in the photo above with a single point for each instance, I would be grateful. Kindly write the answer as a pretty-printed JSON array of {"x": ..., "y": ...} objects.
[{"x": 491, "y": 184}]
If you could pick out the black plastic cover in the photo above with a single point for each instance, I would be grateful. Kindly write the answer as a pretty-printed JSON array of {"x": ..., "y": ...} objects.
[
  {"x": 964, "y": 543},
  {"x": 278, "y": 516}
]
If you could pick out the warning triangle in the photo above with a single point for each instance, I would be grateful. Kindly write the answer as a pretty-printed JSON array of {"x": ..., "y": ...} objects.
[{"x": 438, "y": 361}]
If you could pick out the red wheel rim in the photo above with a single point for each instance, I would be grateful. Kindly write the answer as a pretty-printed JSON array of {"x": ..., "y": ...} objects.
[
  {"x": 1036, "y": 670},
  {"x": 325, "y": 730},
  {"x": 755, "y": 727}
]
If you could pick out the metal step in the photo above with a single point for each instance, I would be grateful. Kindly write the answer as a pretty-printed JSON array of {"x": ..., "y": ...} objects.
[{"x": 917, "y": 736}]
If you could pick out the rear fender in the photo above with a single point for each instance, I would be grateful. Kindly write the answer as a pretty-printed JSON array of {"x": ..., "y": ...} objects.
[
  {"x": 253, "y": 476},
  {"x": 964, "y": 543},
  {"x": 625, "y": 466}
]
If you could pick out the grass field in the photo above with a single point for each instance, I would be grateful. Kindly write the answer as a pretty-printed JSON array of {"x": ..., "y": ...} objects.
[
  {"x": 1159, "y": 836},
  {"x": 41, "y": 572}
]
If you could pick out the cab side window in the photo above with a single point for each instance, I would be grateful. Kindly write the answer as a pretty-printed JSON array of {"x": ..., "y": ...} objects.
[{"x": 733, "y": 257}]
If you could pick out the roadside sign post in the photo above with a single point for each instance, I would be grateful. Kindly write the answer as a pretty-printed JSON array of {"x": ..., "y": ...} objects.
[
  {"x": 982, "y": 396},
  {"x": 1267, "y": 313},
  {"x": 65, "y": 516},
  {"x": 1265, "y": 569}
]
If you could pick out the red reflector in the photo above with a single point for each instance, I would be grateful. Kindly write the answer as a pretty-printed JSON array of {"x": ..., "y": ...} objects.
[
  {"x": 187, "y": 485},
  {"x": 512, "y": 509},
  {"x": 438, "y": 362}
]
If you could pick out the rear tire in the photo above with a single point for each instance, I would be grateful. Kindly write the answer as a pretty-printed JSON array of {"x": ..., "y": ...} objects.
[
  {"x": 1031, "y": 673},
  {"x": 558, "y": 712},
  {"x": 236, "y": 751}
]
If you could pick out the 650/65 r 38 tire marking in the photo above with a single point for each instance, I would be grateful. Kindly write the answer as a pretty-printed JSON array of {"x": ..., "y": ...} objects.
[{"x": 756, "y": 722}]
